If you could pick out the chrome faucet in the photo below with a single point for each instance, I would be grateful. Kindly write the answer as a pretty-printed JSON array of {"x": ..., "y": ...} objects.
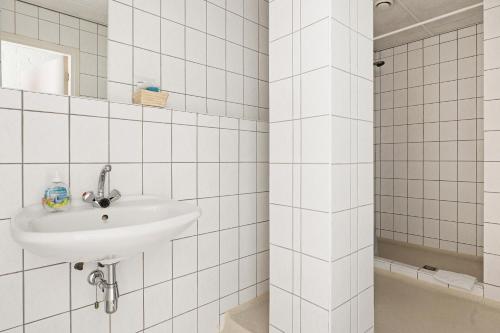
[
  {"x": 102, "y": 180},
  {"x": 101, "y": 200}
]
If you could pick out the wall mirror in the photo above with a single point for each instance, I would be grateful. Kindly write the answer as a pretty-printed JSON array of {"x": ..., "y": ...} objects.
[{"x": 54, "y": 46}]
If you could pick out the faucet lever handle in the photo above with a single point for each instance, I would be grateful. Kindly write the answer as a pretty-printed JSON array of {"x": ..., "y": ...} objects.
[
  {"x": 114, "y": 195},
  {"x": 88, "y": 196}
]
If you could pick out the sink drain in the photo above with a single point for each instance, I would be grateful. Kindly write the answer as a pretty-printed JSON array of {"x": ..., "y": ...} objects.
[{"x": 104, "y": 218}]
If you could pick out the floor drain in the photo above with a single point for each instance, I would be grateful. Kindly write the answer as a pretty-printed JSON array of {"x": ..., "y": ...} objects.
[{"x": 429, "y": 268}]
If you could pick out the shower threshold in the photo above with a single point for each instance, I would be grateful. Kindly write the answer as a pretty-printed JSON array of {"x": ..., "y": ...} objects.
[{"x": 420, "y": 256}]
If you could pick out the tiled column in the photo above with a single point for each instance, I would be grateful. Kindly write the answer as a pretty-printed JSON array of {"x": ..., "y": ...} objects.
[
  {"x": 321, "y": 166},
  {"x": 491, "y": 150}
]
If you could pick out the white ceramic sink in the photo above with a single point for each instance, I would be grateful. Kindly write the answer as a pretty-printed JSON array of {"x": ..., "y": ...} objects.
[{"x": 107, "y": 235}]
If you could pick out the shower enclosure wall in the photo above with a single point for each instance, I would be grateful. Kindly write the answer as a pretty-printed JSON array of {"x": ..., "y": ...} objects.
[
  {"x": 429, "y": 142},
  {"x": 431, "y": 202}
]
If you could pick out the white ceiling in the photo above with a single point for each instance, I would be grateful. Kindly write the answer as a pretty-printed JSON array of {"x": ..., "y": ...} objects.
[
  {"x": 92, "y": 10},
  {"x": 405, "y": 13}
]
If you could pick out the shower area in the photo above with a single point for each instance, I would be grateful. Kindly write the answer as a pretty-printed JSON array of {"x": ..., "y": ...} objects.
[{"x": 428, "y": 136}]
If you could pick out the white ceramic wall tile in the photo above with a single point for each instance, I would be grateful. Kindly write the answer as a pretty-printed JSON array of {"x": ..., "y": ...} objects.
[
  {"x": 11, "y": 288},
  {"x": 89, "y": 107},
  {"x": 26, "y": 26},
  {"x": 45, "y": 102},
  {"x": 132, "y": 310},
  {"x": 208, "y": 317},
  {"x": 59, "y": 324},
  {"x": 69, "y": 36},
  {"x": 87, "y": 319},
  {"x": 146, "y": 30},
  {"x": 88, "y": 139},
  {"x": 185, "y": 286},
  {"x": 11, "y": 260},
  {"x": 141, "y": 152},
  {"x": 156, "y": 142},
  {"x": 183, "y": 143},
  {"x": 315, "y": 254},
  {"x": 183, "y": 181},
  {"x": 130, "y": 318},
  {"x": 187, "y": 322},
  {"x": 131, "y": 272},
  {"x": 42, "y": 130},
  {"x": 146, "y": 66},
  {"x": 313, "y": 318},
  {"x": 42, "y": 302},
  {"x": 156, "y": 179},
  {"x": 280, "y": 309},
  {"x": 10, "y": 98},
  {"x": 187, "y": 36},
  {"x": 121, "y": 69},
  {"x": 491, "y": 33},
  {"x": 120, "y": 23},
  {"x": 125, "y": 140},
  {"x": 11, "y": 197},
  {"x": 443, "y": 116},
  {"x": 162, "y": 327},
  {"x": 208, "y": 180},
  {"x": 157, "y": 303}
]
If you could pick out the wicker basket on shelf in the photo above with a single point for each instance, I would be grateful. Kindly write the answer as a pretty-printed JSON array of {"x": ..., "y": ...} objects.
[{"x": 152, "y": 98}]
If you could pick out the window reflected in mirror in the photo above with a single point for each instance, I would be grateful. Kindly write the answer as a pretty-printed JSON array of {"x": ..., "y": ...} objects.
[
  {"x": 35, "y": 69},
  {"x": 54, "y": 46}
]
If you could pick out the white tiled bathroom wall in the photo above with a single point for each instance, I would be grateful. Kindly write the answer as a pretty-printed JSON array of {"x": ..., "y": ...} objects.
[
  {"x": 88, "y": 38},
  {"x": 491, "y": 151},
  {"x": 321, "y": 166},
  {"x": 217, "y": 163},
  {"x": 429, "y": 142},
  {"x": 211, "y": 56}
]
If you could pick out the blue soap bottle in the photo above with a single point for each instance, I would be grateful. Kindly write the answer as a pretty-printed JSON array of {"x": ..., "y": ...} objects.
[{"x": 57, "y": 196}]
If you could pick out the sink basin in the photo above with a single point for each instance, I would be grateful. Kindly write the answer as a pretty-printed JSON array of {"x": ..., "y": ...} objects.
[{"x": 107, "y": 235}]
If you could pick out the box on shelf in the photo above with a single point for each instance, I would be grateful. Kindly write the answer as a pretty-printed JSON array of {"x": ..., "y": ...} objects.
[{"x": 151, "y": 98}]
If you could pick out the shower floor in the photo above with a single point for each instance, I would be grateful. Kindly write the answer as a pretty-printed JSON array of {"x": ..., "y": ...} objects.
[
  {"x": 419, "y": 256},
  {"x": 410, "y": 306},
  {"x": 402, "y": 304},
  {"x": 250, "y": 317}
]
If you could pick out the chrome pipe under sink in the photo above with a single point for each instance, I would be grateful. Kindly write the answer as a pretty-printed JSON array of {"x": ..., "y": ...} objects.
[{"x": 108, "y": 286}]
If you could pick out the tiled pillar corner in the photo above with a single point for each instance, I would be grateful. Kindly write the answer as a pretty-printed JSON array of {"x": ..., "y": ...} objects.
[
  {"x": 352, "y": 307},
  {"x": 321, "y": 167}
]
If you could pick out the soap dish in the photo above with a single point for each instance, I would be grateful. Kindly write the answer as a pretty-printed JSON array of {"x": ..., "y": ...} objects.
[{"x": 152, "y": 98}]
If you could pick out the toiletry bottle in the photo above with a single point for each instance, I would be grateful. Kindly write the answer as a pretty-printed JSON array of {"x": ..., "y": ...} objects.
[{"x": 56, "y": 196}]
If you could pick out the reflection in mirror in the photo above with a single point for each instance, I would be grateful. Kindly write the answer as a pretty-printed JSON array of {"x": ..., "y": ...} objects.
[
  {"x": 36, "y": 69},
  {"x": 54, "y": 46}
]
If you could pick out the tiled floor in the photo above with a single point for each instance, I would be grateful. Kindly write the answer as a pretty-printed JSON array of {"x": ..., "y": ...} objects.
[
  {"x": 402, "y": 304},
  {"x": 411, "y": 306},
  {"x": 250, "y": 317}
]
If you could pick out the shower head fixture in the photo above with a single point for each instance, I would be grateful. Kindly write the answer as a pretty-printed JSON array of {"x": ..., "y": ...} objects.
[{"x": 379, "y": 63}]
